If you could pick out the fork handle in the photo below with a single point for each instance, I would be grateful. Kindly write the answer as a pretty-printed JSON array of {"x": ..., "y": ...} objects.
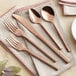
[
  {"x": 41, "y": 50},
  {"x": 39, "y": 57}
]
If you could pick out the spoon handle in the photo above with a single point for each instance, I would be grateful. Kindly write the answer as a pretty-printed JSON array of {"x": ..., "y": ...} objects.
[
  {"x": 41, "y": 50},
  {"x": 62, "y": 38},
  {"x": 58, "y": 46},
  {"x": 54, "y": 49},
  {"x": 41, "y": 59}
]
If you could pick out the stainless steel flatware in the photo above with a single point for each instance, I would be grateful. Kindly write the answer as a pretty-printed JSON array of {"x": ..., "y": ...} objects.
[
  {"x": 18, "y": 32},
  {"x": 32, "y": 30},
  {"x": 48, "y": 14},
  {"x": 19, "y": 46},
  {"x": 36, "y": 18}
]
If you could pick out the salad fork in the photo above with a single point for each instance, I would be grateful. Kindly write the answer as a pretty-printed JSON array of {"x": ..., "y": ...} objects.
[
  {"x": 18, "y": 32},
  {"x": 19, "y": 46}
]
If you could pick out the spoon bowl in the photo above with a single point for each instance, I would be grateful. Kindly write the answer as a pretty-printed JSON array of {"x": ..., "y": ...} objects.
[
  {"x": 48, "y": 14},
  {"x": 34, "y": 16}
]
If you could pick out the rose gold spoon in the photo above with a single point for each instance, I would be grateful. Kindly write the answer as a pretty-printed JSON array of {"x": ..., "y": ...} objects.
[
  {"x": 48, "y": 14},
  {"x": 36, "y": 18}
]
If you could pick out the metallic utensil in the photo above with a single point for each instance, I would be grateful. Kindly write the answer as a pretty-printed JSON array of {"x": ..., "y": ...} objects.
[
  {"x": 18, "y": 32},
  {"x": 24, "y": 22},
  {"x": 48, "y": 14},
  {"x": 36, "y": 18},
  {"x": 19, "y": 46}
]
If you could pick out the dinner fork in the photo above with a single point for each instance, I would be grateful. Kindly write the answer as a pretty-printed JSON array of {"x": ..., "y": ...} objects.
[
  {"x": 19, "y": 46},
  {"x": 18, "y": 32}
]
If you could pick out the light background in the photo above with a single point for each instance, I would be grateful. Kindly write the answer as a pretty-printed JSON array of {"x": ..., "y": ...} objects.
[{"x": 6, "y": 4}]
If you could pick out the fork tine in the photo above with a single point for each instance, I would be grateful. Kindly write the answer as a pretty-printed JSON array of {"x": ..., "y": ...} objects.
[
  {"x": 10, "y": 42},
  {"x": 13, "y": 42},
  {"x": 7, "y": 20},
  {"x": 13, "y": 25},
  {"x": 10, "y": 25}
]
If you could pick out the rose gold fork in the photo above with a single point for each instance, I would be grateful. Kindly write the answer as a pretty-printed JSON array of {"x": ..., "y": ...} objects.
[
  {"x": 18, "y": 32},
  {"x": 19, "y": 46}
]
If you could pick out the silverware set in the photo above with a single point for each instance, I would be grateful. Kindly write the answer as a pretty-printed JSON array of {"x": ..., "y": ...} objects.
[
  {"x": 24, "y": 22},
  {"x": 48, "y": 15},
  {"x": 19, "y": 46}
]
